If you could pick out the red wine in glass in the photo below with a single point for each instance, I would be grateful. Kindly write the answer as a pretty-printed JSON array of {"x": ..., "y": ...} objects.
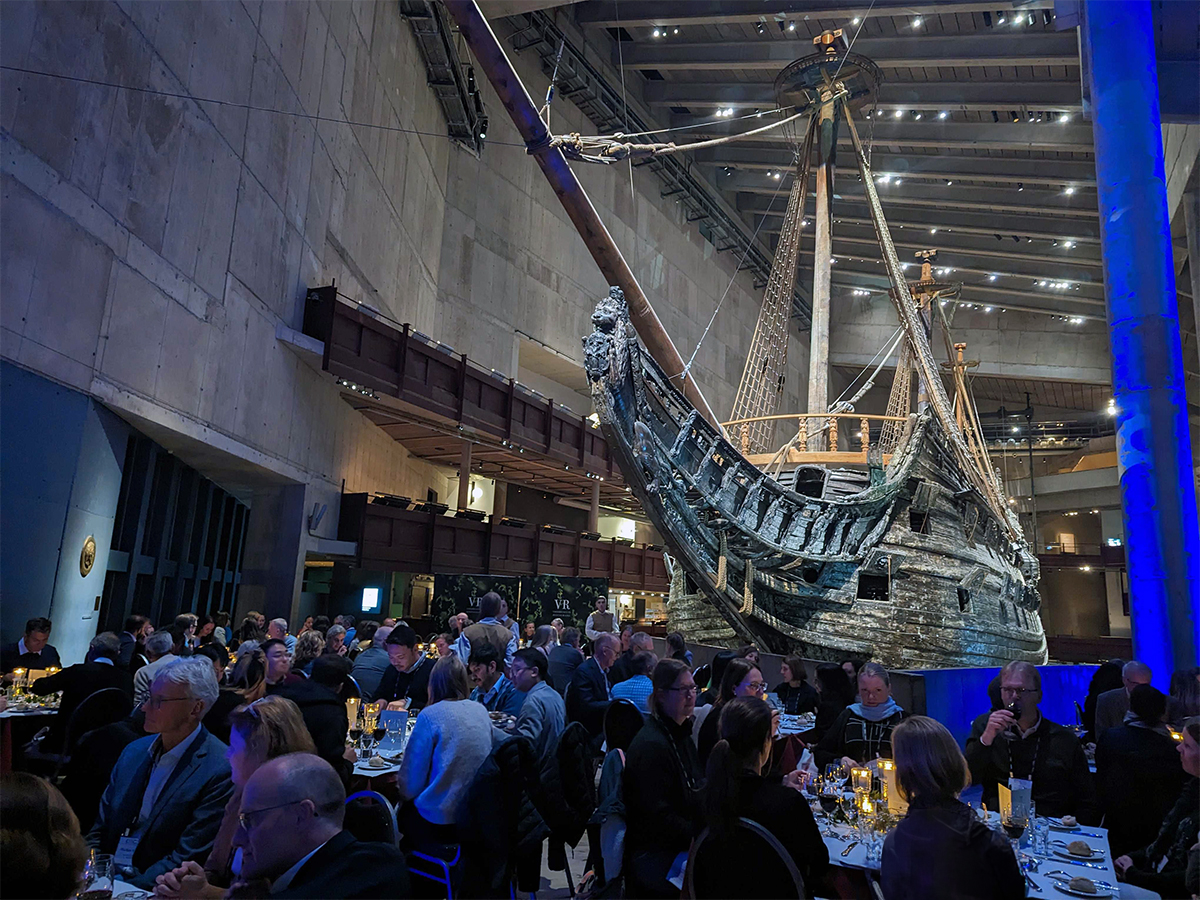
[{"x": 829, "y": 803}]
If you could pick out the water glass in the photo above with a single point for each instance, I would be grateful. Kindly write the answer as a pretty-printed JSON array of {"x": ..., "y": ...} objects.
[
  {"x": 1041, "y": 836},
  {"x": 97, "y": 877}
]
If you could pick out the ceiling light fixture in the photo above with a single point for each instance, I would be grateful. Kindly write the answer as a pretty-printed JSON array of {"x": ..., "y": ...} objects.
[
  {"x": 943, "y": 114},
  {"x": 917, "y": 22},
  {"x": 987, "y": 19},
  {"x": 656, "y": 33},
  {"x": 1068, "y": 244},
  {"x": 856, "y": 20},
  {"x": 933, "y": 231},
  {"x": 898, "y": 113},
  {"x": 949, "y": 182},
  {"x": 1020, "y": 186},
  {"x": 995, "y": 116},
  {"x": 1069, "y": 190},
  {"x": 1066, "y": 117},
  {"x": 991, "y": 278},
  {"x": 791, "y": 26},
  {"x": 673, "y": 31},
  {"x": 761, "y": 28},
  {"x": 1000, "y": 18}
]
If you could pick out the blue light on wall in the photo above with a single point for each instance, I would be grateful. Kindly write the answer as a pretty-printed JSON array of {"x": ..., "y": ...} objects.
[{"x": 1161, "y": 528}]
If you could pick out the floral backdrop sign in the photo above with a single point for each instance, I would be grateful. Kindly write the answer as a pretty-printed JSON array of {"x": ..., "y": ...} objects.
[{"x": 538, "y": 599}]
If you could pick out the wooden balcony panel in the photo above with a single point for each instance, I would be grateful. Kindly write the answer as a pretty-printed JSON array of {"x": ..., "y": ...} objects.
[
  {"x": 459, "y": 545},
  {"x": 431, "y": 379},
  {"x": 365, "y": 351}
]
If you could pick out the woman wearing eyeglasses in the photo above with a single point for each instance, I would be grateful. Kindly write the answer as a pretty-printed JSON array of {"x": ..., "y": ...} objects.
[
  {"x": 742, "y": 678},
  {"x": 259, "y": 731},
  {"x": 662, "y": 785},
  {"x": 863, "y": 731}
]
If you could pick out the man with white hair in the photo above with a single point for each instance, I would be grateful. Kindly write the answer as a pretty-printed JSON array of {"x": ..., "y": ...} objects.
[
  {"x": 167, "y": 794},
  {"x": 1111, "y": 706},
  {"x": 277, "y": 629},
  {"x": 158, "y": 650}
]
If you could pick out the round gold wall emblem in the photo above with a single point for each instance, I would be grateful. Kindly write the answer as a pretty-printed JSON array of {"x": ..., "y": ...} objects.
[{"x": 87, "y": 556}]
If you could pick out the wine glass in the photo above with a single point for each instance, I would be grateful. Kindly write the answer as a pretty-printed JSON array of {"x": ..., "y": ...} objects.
[
  {"x": 829, "y": 797},
  {"x": 97, "y": 877},
  {"x": 1014, "y": 826}
]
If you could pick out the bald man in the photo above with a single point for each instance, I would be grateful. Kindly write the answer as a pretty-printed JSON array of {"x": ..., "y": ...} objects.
[
  {"x": 1111, "y": 706},
  {"x": 291, "y": 836}
]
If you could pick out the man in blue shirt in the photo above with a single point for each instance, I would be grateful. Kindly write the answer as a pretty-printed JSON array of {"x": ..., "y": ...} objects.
[
  {"x": 638, "y": 687},
  {"x": 492, "y": 689},
  {"x": 488, "y": 630}
]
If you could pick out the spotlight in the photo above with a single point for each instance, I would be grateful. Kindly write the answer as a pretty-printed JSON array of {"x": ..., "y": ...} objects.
[
  {"x": 898, "y": 113},
  {"x": 987, "y": 309},
  {"x": 1047, "y": 17},
  {"x": 917, "y": 116},
  {"x": 916, "y": 22},
  {"x": 471, "y": 88},
  {"x": 1066, "y": 117},
  {"x": 987, "y": 19},
  {"x": 483, "y": 127},
  {"x": 856, "y": 20},
  {"x": 995, "y": 116},
  {"x": 673, "y": 31},
  {"x": 1069, "y": 190},
  {"x": 1000, "y": 17},
  {"x": 949, "y": 182},
  {"x": 804, "y": 223},
  {"x": 760, "y": 28},
  {"x": 1068, "y": 244},
  {"x": 991, "y": 278},
  {"x": 943, "y": 114},
  {"x": 1020, "y": 186},
  {"x": 656, "y": 33},
  {"x": 899, "y": 182},
  {"x": 933, "y": 231},
  {"x": 1013, "y": 115},
  {"x": 791, "y": 26}
]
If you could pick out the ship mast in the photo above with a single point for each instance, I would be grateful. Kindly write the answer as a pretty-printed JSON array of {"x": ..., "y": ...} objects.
[{"x": 495, "y": 64}]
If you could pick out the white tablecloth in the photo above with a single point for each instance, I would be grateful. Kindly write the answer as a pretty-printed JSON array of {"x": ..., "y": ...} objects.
[{"x": 1097, "y": 838}]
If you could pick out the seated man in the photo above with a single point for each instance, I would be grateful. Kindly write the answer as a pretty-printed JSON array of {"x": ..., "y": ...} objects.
[
  {"x": 80, "y": 681},
  {"x": 33, "y": 651},
  {"x": 1018, "y": 742},
  {"x": 492, "y": 689},
  {"x": 565, "y": 659},
  {"x": 137, "y": 629},
  {"x": 159, "y": 653},
  {"x": 168, "y": 791},
  {"x": 590, "y": 693},
  {"x": 638, "y": 686},
  {"x": 370, "y": 665},
  {"x": 277, "y": 630},
  {"x": 279, "y": 664},
  {"x": 405, "y": 684},
  {"x": 1111, "y": 706},
  {"x": 291, "y": 838},
  {"x": 543, "y": 715}
]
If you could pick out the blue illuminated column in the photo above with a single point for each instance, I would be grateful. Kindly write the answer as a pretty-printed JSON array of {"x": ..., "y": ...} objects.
[{"x": 1161, "y": 528}]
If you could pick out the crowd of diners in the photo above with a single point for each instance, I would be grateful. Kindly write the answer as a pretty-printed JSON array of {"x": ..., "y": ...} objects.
[{"x": 230, "y": 776}]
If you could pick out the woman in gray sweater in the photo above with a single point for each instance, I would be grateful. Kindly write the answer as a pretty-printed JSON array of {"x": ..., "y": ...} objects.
[{"x": 449, "y": 742}]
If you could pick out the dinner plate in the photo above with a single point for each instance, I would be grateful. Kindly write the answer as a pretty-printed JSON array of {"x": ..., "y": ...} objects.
[
  {"x": 1059, "y": 826},
  {"x": 1100, "y": 892},
  {"x": 1097, "y": 855}
]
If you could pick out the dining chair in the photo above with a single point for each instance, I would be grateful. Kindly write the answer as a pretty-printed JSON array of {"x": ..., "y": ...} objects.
[
  {"x": 102, "y": 708},
  {"x": 709, "y": 875},
  {"x": 370, "y": 817}
]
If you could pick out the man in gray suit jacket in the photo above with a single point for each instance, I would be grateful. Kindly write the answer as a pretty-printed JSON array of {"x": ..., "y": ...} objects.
[
  {"x": 1111, "y": 706},
  {"x": 168, "y": 791},
  {"x": 158, "y": 650}
]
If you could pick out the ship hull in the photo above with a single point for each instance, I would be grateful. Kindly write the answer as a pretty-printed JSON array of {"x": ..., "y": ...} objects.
[{"x": 905, "y": 565}]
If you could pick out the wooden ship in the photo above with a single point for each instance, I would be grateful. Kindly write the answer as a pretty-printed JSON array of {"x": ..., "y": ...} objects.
[{"x": 884, "y": 537}]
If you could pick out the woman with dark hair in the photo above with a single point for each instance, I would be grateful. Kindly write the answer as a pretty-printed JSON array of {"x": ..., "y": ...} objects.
[
  {"x": 247, "y": 683},
  {"x": 1162, "y": 865},
  {"x": 1107, "y": 677},
  {"x": 794, "y": 692},
  {"x": 742, "y": 678},
  {"x": 321, "y": 624},
  {"x": 677, "y": 648},
  {"x": 206, "y": 630},
  {"x": 941, "y": 850},
  {"x": 662, "y": 785},
  {"x": 41, "y": 841},
  {"x": 835, "y": 695},
  {"x": 748, "y": 651},
  {"x": 736, "y": 787},
  {"x": 221, "y": 630},
  {"x": 863, "y": 731},
  {"x": 249, "y": 631}
]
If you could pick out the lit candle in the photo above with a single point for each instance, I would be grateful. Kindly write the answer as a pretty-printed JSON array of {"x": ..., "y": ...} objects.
[
  {"x": 887, "y": 773},
  {"x": 867, "y": 807},
  {"x": 861, "y": 780},
  {"x": 352, "y": 709}
]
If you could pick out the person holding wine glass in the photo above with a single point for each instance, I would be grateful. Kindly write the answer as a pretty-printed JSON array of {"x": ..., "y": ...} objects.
[{"x": 941, "y": 850}]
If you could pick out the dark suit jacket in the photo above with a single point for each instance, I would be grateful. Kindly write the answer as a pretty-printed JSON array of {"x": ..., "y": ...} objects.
[
  {"x": 1111, "y": 707},
  {"x": 587, "y": 697},
  {"x": 11, "y": 658},
  {"x": 128, "y": 643},
  {"x": 348, "y": 868},
  {"x": 77, "y": 683},
  {"x": 185, "y": 817},
  {"x": 564, "y": 660},
  {"x": 325, "y": 718},
  {"x": 1138, "y": 780}
]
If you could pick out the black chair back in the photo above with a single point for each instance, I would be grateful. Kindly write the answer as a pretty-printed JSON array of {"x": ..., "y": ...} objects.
[
  {"x": 370, "y": 817},
  {"x": 97, "y": 710},
  {"x": 711, "y": 873},
  {"x": 351, "y": 689},
  {"x": 702, "y": 676}
]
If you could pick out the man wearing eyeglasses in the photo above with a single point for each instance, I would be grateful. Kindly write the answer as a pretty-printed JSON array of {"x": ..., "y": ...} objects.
[
  {"x": 1016, "y": 742},
  {"x": 292, "y": 839},
  {"x": 168, "y": 791}
]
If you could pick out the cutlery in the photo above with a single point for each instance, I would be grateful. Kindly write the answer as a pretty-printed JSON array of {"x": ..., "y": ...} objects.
[
  {"x": 1033, "y": 884},
  {"x": 849, "y": 847},
  {"x": 1086, "y": 865},
  {"x": 1066, "y": 876}
]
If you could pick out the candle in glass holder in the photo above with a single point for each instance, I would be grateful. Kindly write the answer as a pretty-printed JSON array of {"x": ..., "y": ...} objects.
[
  {"x": 18, "y": 681},
  {"x": 860, "y": 779},
  {"x": 868, "y": 807},
  {"x": 352, "y": 705},
  {"x": 887, "y": 774}
]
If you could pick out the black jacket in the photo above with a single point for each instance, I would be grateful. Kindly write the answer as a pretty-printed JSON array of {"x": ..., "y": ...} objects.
[
  {"x": 413, "y": 686},
  {"x": 622, "y": 668},
  {"x": 944, "y": 852},
  {"x": 216, "y": 720},
  {"x": 11, "y": 658},
  {"x": 786, "y": 814},
  {"x": 348, "y": 868},
  {"x": 587, "y": 697},
  {"x": 1175, "y": 838},
  {"x": 1138, "y": 780},
  {"x": 661, "y": 788},
  {"x": 798, "y": 700},
  {"x": 325, "y": 718},
  {"x": 128, "y": 644},
  {"x": 1062, "y": 784},
  {"x": 77, "y": 683},
  {"x": 853, "y": 736},
  {"x": 564, "y": 660},
  {"x": 827, "y": 713}
]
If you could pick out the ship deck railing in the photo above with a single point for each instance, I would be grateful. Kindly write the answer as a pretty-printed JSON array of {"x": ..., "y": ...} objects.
[{"x": 815, "y": 432}]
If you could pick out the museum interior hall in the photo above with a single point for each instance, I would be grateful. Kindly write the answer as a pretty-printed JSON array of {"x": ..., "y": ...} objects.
[{"x": 852, "y": 331}]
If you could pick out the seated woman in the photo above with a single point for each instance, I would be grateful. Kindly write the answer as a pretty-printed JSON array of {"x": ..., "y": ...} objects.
[
  {"x": 863, "y": 730},
  {"x": 258, "y": 732},
  {"x": 41, "y": 840},
  {"x": 735, "y": 787},
  {"x": 247, "y": 683},
  {"x": 941, "y": 850},
  {"x": 309, "y": 646},
  {"x": 742, "y": 678},
  {"x": 448, "y": 744},
  {"x": 835, "y": 692},
  {"x": 794, "y": 692},
  {"x": 1162, "y": 866},
  {"x": 661, "y": 785}
]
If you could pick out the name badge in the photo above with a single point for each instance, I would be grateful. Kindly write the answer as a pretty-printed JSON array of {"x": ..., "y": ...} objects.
[{"x": 126, "y": 847}]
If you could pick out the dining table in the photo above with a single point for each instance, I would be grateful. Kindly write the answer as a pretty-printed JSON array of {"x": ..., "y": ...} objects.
[
  {"x": 7, "y": 715},
  {"x": 1046, "y": 875}
]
